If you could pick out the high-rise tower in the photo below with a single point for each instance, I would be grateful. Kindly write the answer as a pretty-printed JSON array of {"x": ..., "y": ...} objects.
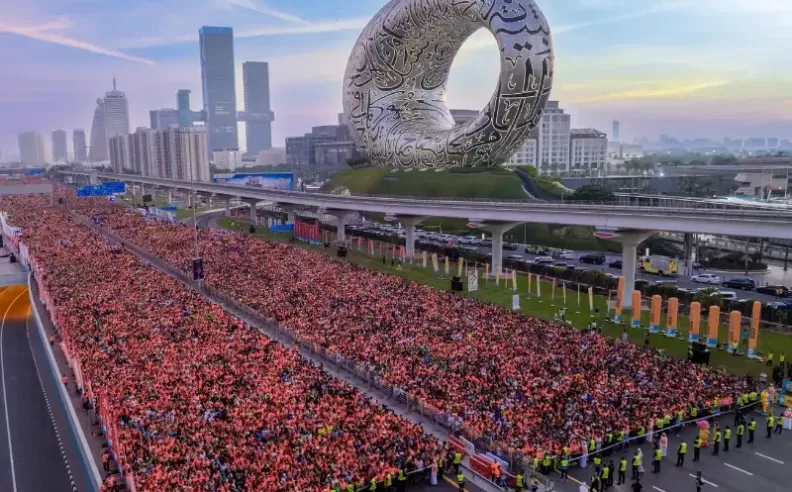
[
  {"x": 99, "y": 151},
  {"x": 255, "y": 76},
  {"x": 116, "y": 112},
  {"x": 78, "y": 141},
  {"x": 59, "y": 152},
  {"x": 217, "y": 81}
]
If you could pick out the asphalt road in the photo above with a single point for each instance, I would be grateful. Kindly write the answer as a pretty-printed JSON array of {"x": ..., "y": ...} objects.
[
  {"x": 765, "y": 465},
  {"x": 31, "y": 459}
]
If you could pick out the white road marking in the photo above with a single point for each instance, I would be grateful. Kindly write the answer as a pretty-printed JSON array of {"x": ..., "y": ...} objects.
[
  {"x": 658, "y": 488},
  {"x": 769, "y": 458},
  {"x": 738, "y": 469},
  {"x": 5, "y": 398},
  {"x": 705, "y": 481}
]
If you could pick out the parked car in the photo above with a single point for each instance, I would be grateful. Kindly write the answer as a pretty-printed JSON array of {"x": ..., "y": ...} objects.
[
  {"x": 741, "y": 283},
  {"x": 615, "y": 264},
  {"x": 706, "y": 278},
  {"x": 510, "y": 246},
  {"x": 543, "y": 260},
  {"x": 560, "y": 264},
  {"x": 658, "y": 283},
  {"x": 725, "y": 294},
  {"x": 514, "y": 257},
  {"x": 567, "y": 255},
  {"x": 773, "y": 290},
  {"x": 593, "y": 258},
  {"x": 640, "y": 283},
  {"x": 781, "y": 305},
  {"x": 486, "y": 243},
  {"x": 570, "y": 268}
]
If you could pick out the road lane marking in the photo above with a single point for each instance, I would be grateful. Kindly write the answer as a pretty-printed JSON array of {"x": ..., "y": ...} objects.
[
  {"x": 658, "y": 488},
  {"x": 5, "y": 397},
  {"x": 769, "y": 458},
  {"x": 738, "y": 469},
  {"x": 705, "y": 481}
]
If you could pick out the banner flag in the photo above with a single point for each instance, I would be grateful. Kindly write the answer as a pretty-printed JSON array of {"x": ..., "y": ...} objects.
[
  {"x": 514, "y": 280},
  {"x": 714, "y": 325},
  {"x": 753, "y": 335},
  {"x": 497, "y": 275},
  {"x": 472, "y": 278},
  {"x": 538, "y": 283},
  {"x": 446, "y": 266},
  {"x": 672, "y": 318},
  {"x": 695, "y": 322},
  {"x": 654, "y": 315},
  {"x": 735, "y": 320},
  {"x": 516, "y": 302},
  {"x": 591, "y": 299},
  {"x": 530, "y": 277},
  {"x": 563, "y": 289},
  {"x": 435, "y": 263},
  {"x": 619, "y": 300},
  {"x": 423, "y": 255},
  {"x": 636, "y": 309},
  {"x": 459, "y": 266}
]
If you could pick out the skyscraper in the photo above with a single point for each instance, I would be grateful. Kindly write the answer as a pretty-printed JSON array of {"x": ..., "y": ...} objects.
[
  {"x": 255, "y": 76},
  {"x": 163, "y": 118},
  {"x": 183, "y": 107},
  {"x": 32, "y": 150},
  {"x": 78, "y": 141},
  {"x": 116, "y": 112},
  {"x": 59, "y": 152},
  {"x": 141, "y": 152},
  {"x": 99, "y": 133},
  {"x": 119, "y": 154},
  {"x": 182, "y": 153},
  {"x": 217, "y": 81},
  {"x": 615, "y": 137},
  {"x": 553, "y": 147}
]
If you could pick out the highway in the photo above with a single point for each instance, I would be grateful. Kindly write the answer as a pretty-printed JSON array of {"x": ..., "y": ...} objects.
[
  {"x": 765, "y": 465},
  {"x": 32, "y": 456}
]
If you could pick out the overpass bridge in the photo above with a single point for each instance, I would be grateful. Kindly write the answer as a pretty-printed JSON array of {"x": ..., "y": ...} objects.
[{"x": 629, "y": 222}]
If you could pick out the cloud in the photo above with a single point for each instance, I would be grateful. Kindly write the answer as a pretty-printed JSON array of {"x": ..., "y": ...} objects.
[
  {"x": 260, "y": 8},
  {"x": 609, "y": 20},
  {"x": 44, "y": 32},
  {"x": 658, "y": 93},
  {"x": 310, "y": 28}
]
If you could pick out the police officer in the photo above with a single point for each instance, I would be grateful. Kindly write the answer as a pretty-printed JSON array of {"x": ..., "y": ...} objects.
[
  {"x": 622, "y": 471},
  {"x": 740, "y": 433},
  {"x": 770, "y": 424},
  {"x": 563, "y": 467},
  {"x": 546, "y": 462},
  {"x": 597, "y": 463},
  {"x": 519, "y": 482},
  {"x": 461, "y": 482},
  {"x": 718, "y": 437},
  {"x": 605, "y": 477},
  {"x": 751, "y": 430},
  {"x": 726, "y": 438},
  {"x": 457, "y": 461},
  {"x": 658, "y": 456},
  {"x": 595, "y": 484},
  {"x": 779, "y": 424},
  {"x": 681, "y": 454},
  {"x": 402, "y": 479},
  {"x": 373, "y": 484},
  {"x": 611, "y": 473},
  {"x": 697, "y": 448},
  {"x": 636, "y": 464}
]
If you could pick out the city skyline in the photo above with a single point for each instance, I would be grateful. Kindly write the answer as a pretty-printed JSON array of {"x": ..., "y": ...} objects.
[{"x": 682, "y": 80}]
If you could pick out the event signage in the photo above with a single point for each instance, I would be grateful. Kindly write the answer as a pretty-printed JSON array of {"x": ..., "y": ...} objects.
[
  {"x": 472, "y": 278},
  {"x": 115, "y": 187},
  {"x": 281, "y": 228},
  {"x": 267, "y": 181},
  {"x": 106, "y": 189}
]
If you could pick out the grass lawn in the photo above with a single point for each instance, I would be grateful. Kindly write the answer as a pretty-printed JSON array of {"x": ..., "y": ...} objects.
[{"x": 546, "y": 306}]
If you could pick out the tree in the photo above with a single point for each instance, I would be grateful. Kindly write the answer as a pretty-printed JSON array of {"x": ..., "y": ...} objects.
[
  {"x": 722, "y": 160},
  {"x": 592, "y": 193}
]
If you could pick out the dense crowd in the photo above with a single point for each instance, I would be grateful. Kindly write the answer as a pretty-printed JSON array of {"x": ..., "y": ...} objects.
[
  {"x": 518, "y": 381},
  {"x": 201, "y": 401}
]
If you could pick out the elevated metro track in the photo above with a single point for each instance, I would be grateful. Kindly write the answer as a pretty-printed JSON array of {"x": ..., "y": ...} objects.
[{"x": 708, "y": 217}]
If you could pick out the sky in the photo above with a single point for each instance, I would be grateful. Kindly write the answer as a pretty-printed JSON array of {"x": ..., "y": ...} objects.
[{"x": 690, "y": 69}]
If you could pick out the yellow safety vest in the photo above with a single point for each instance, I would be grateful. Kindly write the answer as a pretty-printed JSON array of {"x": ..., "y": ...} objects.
[
  {"x": 461, "y": 479},
  {"x": 519, "y": 480},
  {"x": 752, "y": 425},
  {"x": 402, "y": 477},
  {"x": 636, "y": 460},
  {"x": 605, "y": 473},
  {"x": 740, "y": 430},
  {"x": 658, "y": 454},
  {"x": 697, "y": 443},
  {"x": 457, "y": 458},
  {"x": 623, "y": 465},
  {"x": 683, "y": 448},
  {"x": 727, "y": 434},
  {"x": 388, "y": 480},
  {"x": 373, "y": 485},
  {"x": 771, "y": 421}
]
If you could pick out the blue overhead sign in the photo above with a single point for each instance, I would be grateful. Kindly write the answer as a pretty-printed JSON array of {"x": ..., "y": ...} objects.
[
  {"x": 107, "y": 189},
  {"x": 34, "y": 172}
]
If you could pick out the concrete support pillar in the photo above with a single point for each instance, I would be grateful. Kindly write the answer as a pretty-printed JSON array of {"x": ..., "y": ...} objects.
[
  {"x": 228, "y": 207},
  {"x": 630, "y": 241},
  {"x": 497, "y": 229},
  {"x": 342, "y": 219},
  {"x": 290, "y": 211},
  {"x": 409, "y": 222},
  {"x": 290, "y": 216},
  {"x": 253, "y": 216},
  {"x": 169, "y": 195}
]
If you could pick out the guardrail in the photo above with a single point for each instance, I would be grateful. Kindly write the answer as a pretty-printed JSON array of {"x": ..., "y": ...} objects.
[{"x": 365, "y": 377}]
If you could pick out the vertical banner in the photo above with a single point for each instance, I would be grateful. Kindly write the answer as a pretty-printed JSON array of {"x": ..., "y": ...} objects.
[
  {"x": 654, "y": 317},
  {"x": 530, "y": 277},
  {"x": 467, "y": 265},
  {"x": 472, "y": 278},
  {"x": 578, "y": 294},
  {"x": 402, "y": 253},
  {"x": 446, "y": 266},
  {"x": 753, "y": 335},
  {"x": 514, "y": 280},
  {"x": 497, "y": 275},
  {"x": 371, "y": 247},
  {"x": 591, "y": 300},
  {"x": 735, "y": 319},
  {"x": 486, "y": 271},
  {"x": 714, "y": 324},
  {"x": 516, "y": 302},
  {"x": 636, "y": 309},
  {"x": 619, "y": 300},
  {"x": 672, "y": 318},
  {"x": 695, "y": 322},
  {"x": 552, "y": 293},
  {"x": 563, "y": 289},
  {"x": 423, "y": 258},
  {"x": 360, "y": 242},
  {"x": 538, "y": 283},
  {"x": 459, "y": 266},
  {"x": 435, "y": 263}
]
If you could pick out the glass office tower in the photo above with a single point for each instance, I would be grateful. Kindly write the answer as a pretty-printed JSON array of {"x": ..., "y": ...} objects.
[
  {"x": 217, "y": 81},
  {"x": 255, "y": 77}
]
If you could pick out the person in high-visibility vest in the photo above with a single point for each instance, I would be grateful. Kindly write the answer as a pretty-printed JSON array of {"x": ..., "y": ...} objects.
[
  {"x": 770, "y": 424},
  {"x": 779, "y": 424},
  {"x": 717, "y": 441},
  {"x": 622, "y": 471},
  {"x": 658, "y": 457},
  {"x": 402, "y": 480},
  {"x": 726, "y": 439},
  {"x": 597, "y": 463},
  {"x": 519, "y": 482},
  {"x": 546, "y": 463},
  {"x": 740, "y": 433},
  {"x": 782, "y": 359},
  {"x": 460, "y": 482},
  {"x": 605, "y": 477},
  {"x": 697, "y": 448},
  {"x": 535, "y": 463},
  {"x": 457, "y": 461},
  {"x": 350, "y": 487},
  {"x": 751, "y": 430},
  {"x": 636, "y": 466},
  {"x": 770, "y": 358},
  {"x": 563, "y": 467},
  {"x": 388, "y": 481},
  {"x": 681, "y": 452},
  {"x": 373, "y": 485}
]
